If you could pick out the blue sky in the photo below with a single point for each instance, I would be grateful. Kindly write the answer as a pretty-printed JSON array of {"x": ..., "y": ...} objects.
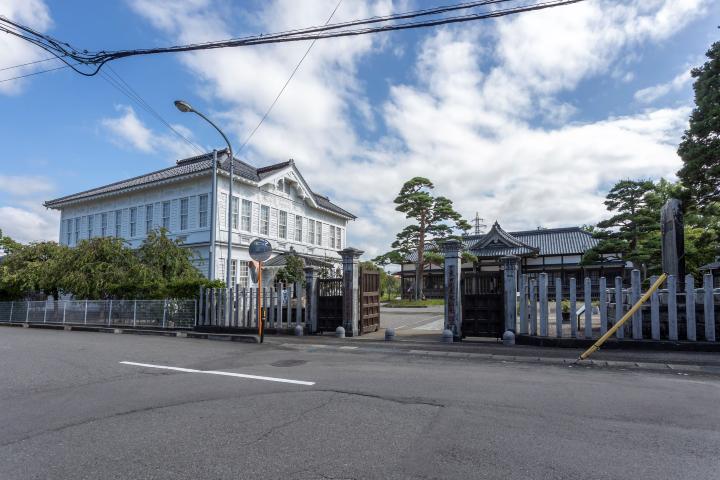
[{"x": 527, "y": 120}]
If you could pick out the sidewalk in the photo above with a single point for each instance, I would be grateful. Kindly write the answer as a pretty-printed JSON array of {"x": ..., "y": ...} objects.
[{"x": 490, "y": 349}]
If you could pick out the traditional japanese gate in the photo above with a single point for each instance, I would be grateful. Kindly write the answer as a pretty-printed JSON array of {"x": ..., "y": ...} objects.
[
  {"x": 330, "y": 304},
  {"x": 330, "y": 292},
  {"x": 369, "y": 301},
  {"x": 483, "y": 304}
]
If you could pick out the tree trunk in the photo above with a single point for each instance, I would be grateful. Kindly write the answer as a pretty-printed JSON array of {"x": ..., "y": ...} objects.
[{"x": 420, "y": 261}]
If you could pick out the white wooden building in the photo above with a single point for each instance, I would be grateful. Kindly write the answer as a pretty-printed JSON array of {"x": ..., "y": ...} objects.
[{"x": 272, "y": 202}]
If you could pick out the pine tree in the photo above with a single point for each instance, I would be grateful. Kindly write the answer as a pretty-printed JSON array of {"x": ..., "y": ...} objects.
[{"x": 700, "y": 146}]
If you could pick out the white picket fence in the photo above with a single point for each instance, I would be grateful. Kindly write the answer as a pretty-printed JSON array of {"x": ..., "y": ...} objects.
[
  {"x": 670, "y": 314},
  {"x": 282, "y": 306},
  {"x": 110, "y": 313}
]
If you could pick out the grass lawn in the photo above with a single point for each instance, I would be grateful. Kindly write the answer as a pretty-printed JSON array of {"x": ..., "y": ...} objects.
[{"x": 415, "y": 303}]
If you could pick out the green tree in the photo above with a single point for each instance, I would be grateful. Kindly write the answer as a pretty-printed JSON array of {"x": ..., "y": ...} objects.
[
  {"x": 433, "y": 219},
  {"x": 35, "y": 268},
  {"x": 700, "y": 145},
  {"x": 293, "y": 271}
]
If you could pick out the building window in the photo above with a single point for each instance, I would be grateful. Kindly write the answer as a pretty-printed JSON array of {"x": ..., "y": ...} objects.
[
  {"x": 166, "y": 215},
  {"x": 203, "y": 211},
  {"x": 311, "y": 231},
  {"x": 68, "y": 231},
  {"x": 118, "y": 223},
  {"x": 148, "y": 219},
  {"x": 91, "y": 220},
  {"x": 183, "y": 213},
  {"x": 332, "y": 236},
  {"x": 235, "y": 212},
  {"x": 133, "y": 221},
  {"x": 233, "y": 273},
  {"x": 103, "y": 225},
  {"x": 264, "y": 220},
  {"x": 246, "y": 215},
  {"x": 318, "y": 226},
  {"x": 298, "y": 228},
  {"x": 77, "y": 230},
  {"x": 243, "y": 274},
  {"x": 339, "y": 238},
  {"x": 282, "y": 225}
]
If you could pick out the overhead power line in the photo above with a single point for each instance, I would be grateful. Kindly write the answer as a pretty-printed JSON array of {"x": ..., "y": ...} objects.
[
  {"x": 95, "y": 60},
  {"x": 277, "y": 97}
]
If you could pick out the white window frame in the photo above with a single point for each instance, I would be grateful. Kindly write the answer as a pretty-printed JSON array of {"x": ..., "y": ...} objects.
[
  {"x": 243, "y": 279},
  {"x": 203, "y": 211},
  {"x": 298, "y": 228},
  {"x": 68, "y": 233},
  {"x": 339, "y": 239},
  {"x": 311, "y": 231},
  {"x": 133, "y": 221},
  {"x": 118, "y": 223},
  {"x": 246, "y": 217},
  {"x": 166, "y": 215},
  {"x": 235, "y": 210},
  {"x": 90, "y": 225},
  {"x": 282, "y": 224},
  {"x": 149, "y": 212},
  {"x": 318, "y": 230},
  {"x": 333, "y": 236},
  {"x": 103, "y": 224},
  {"x": 77, "y": 230},
  {"x": 233, "y": 273},
  {"x": 184, "y": 210},
  {"x": 264, "y": 220}
]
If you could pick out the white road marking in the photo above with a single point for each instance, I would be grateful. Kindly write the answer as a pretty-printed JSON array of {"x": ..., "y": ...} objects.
[
  {"x": 400, "y": 327},
  {"x": 348, "y": 348},
  {"x": 215, "y": 372}
]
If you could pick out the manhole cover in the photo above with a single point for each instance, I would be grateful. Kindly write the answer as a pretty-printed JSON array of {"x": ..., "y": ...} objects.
[{"x": 288, "y": 363}]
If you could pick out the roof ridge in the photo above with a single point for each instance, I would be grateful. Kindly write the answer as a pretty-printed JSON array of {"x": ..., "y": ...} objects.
[{"x": 549, "y": 230}]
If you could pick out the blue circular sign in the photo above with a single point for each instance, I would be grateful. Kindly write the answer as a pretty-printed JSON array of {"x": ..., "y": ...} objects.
[{"x": 260, "y": 249}]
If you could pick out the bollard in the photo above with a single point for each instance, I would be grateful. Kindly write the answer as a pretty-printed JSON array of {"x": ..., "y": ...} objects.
[
  {"x": 340, "y": 332},
  {"x": 447, "y": 336},
  {"x": 298, "y": 330},
  {"x": 508, "y": 337},
  {"x": 389, "y": 334}
]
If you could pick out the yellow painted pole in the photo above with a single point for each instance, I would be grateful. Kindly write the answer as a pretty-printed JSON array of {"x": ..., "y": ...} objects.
[{"x": 596, "y": 346}]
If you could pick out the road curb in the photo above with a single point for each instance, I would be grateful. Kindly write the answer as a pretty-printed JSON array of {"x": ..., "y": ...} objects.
[{"x": 139, "y": 331}]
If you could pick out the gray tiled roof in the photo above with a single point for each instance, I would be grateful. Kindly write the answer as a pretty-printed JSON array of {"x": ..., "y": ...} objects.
[
  {"x": 558, "y": 241},
  {"x": 308, "y": 260},
  {"x": 550, "y": 241},
  {"x": 188, "y": 166}
]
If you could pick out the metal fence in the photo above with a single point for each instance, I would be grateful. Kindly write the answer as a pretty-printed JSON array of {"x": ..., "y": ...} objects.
[
  {"x": 281, "y": 306},
  {"x": 111, "y": 313},
  {"x": 679, "y": 311}
]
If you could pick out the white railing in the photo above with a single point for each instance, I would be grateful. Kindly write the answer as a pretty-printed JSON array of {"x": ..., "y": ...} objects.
[
  {"x": 675, "y": 312},
  {"x": 110, "y": 313},
  {"x": 282, "y": 306}
]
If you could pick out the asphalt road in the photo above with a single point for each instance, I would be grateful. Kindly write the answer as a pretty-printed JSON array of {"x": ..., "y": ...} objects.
[{"x": 71, "y": 410}]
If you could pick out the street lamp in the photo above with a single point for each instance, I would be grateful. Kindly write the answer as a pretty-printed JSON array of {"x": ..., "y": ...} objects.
[{"x": 185, "y": 107}]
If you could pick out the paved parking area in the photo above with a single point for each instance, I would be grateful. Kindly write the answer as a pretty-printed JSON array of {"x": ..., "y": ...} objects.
[{"x": 182, "y": 408}]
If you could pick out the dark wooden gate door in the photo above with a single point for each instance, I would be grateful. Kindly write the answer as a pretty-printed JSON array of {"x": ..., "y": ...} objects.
[
  {"x": 369, "y": 301},
  {"x": 330, "y": 304},
  {"x": 483, "y": 306}
]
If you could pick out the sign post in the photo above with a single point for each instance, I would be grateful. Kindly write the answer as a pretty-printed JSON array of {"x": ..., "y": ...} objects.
[{"x": 260, "y": 250}]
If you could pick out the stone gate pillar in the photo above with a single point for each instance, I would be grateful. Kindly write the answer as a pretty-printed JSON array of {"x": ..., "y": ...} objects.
[
  {"x": 311, "y": 299},
  {"x": 453, "y": 302},
  {"x": 510, "y": 265},
  {"x": 351, "y": 293}
]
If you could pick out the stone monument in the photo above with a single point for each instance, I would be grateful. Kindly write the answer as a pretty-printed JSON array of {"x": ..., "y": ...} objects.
[{"x": 673, "y": 238}]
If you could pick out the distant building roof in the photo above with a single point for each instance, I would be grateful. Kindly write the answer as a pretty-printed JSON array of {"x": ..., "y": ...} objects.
[
  {"x": 308, "y": 260},
  {"x": 499, "y": 243},
  {"x": 190, "y": 166},
  {"x": 712, "y": 265}
]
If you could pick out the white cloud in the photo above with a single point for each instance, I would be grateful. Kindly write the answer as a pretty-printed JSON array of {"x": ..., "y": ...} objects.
[
  {"x": 650, "y": 94},
  {"x": 467, "y": 118},
  {"x": 24, "y": 186},
  {"x": 14, "y": 51},
  {"x": 128, "y": 131},
  {"x": 29, "y": 222}
]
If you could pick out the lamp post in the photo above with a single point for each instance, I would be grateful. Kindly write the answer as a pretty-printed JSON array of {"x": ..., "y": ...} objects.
[{"x": 185, "y": 107}]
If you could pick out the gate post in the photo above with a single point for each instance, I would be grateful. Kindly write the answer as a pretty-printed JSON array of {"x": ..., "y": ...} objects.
[
  {"x": 453, "y": 301},
  {"x": 311, "y": 300},
  {"x": 351, "y": 305},
  {"x": 510, "y": 264}
]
